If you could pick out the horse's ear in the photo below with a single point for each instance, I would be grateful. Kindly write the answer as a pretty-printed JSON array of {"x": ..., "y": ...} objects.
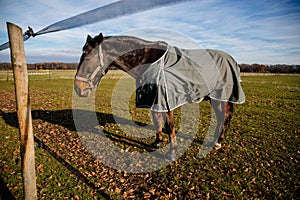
[
  {"x": 89, "y": 38},
  {"x": 100, "y": 38}
]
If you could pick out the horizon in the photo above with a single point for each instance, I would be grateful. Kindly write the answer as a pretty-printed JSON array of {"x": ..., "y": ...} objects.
[{"x": 72, "y": 63}]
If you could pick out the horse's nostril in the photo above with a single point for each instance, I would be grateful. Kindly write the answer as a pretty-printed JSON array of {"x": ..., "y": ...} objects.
[
  {"x": 80, "y": 92},
  {"x": 77, "y": 90},
  {"x": 83, "y": 92},
  {"x": 86, "y": 92}
]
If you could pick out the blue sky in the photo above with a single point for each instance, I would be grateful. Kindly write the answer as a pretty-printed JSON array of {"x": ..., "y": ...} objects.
[{"x": 257, "y": 31}]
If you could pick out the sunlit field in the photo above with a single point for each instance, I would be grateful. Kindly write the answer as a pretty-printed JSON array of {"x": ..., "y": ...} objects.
[{"x": 259, "y": 158}]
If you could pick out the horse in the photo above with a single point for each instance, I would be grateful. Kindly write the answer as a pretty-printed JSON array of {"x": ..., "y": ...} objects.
[{"x": 135, "y": 56}]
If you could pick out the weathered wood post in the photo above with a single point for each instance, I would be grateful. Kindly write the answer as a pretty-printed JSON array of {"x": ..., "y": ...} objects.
[{"x": 23, "y": 109}]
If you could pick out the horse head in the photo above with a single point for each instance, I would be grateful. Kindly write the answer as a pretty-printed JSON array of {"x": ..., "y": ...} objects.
[{"x": 91, "y": 66}]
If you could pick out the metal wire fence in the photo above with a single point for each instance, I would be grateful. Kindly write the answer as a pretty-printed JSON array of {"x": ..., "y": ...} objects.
[{"x": 7, "y": 75}]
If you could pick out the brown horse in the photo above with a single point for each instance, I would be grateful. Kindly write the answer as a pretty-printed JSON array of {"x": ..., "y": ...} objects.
[{"x": 134, "y": 56}]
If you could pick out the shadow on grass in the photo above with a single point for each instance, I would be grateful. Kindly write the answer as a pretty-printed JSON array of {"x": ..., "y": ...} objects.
[
  {"x": 71, "y": 168},
  {"x": 5, "y": 192},
  {"x": 64, "y": 118},
  {"x": 60, "y": 117}
]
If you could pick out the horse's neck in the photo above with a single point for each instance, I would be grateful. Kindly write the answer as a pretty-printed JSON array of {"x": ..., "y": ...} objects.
[{"x": 133, "y": 55}]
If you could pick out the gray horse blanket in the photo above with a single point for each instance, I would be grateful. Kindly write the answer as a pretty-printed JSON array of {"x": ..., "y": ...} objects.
[{"x": 183, "y": 76}]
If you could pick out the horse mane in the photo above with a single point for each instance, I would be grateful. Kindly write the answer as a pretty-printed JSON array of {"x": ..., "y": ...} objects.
[
  {"x": 133, "y": 52},
  {"x": 128, "y": 38}
]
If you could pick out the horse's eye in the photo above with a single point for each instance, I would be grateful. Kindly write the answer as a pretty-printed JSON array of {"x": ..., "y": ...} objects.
[
  {"x": 85, "y": 53},
  {"x": 87, "y": 57}
]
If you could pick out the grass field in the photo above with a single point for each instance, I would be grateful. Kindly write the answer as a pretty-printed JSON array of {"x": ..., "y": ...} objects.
[{"x": 259, "y": 159}]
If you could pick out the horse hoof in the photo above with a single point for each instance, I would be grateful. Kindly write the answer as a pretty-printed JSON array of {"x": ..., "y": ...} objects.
[
  {"x": 173, "y": 156},
  {"x": 156, "y": 145},
  {"x": 217, "y": 146}
]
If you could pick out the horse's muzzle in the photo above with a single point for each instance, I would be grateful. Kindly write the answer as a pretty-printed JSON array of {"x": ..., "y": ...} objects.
[
  {"x": 82, "y": 89},
  {"x": 83, "y": 92}
]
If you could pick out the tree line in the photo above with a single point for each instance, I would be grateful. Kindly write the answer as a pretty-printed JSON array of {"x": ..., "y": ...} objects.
[
  {"x": 279, "y": 68},
  {"x": 44, "y": 66},
  {"x": 254, "y": 68}
]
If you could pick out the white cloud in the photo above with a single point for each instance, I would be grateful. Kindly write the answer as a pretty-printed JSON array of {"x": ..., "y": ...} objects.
[{"x": 255, "y": 31}]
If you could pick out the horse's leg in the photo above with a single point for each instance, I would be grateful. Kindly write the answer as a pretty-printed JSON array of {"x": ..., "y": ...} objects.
[
  {"x": 228, "y": 116},
  {"x": 172, "y": 134},
  {"x": 158, "y": 124},
  {"x": 223, "y": 112}
]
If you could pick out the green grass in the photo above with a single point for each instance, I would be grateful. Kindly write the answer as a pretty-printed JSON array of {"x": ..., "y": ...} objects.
[{"x": 260, "y": 157}]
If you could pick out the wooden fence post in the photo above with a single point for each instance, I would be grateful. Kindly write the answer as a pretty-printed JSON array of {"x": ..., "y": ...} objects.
[{"x": 23, "y": 109}]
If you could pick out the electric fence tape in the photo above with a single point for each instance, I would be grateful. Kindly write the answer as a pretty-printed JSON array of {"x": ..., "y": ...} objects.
[{"x": 110, "y": 11}]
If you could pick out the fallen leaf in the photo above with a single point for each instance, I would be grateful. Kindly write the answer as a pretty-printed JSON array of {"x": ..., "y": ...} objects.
[
  {"x": 128, "y": 193},
  {"x": 152, "y": 191},
  {"x": 147, "y": 195},
  {"x": 118, "y": 190}
]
